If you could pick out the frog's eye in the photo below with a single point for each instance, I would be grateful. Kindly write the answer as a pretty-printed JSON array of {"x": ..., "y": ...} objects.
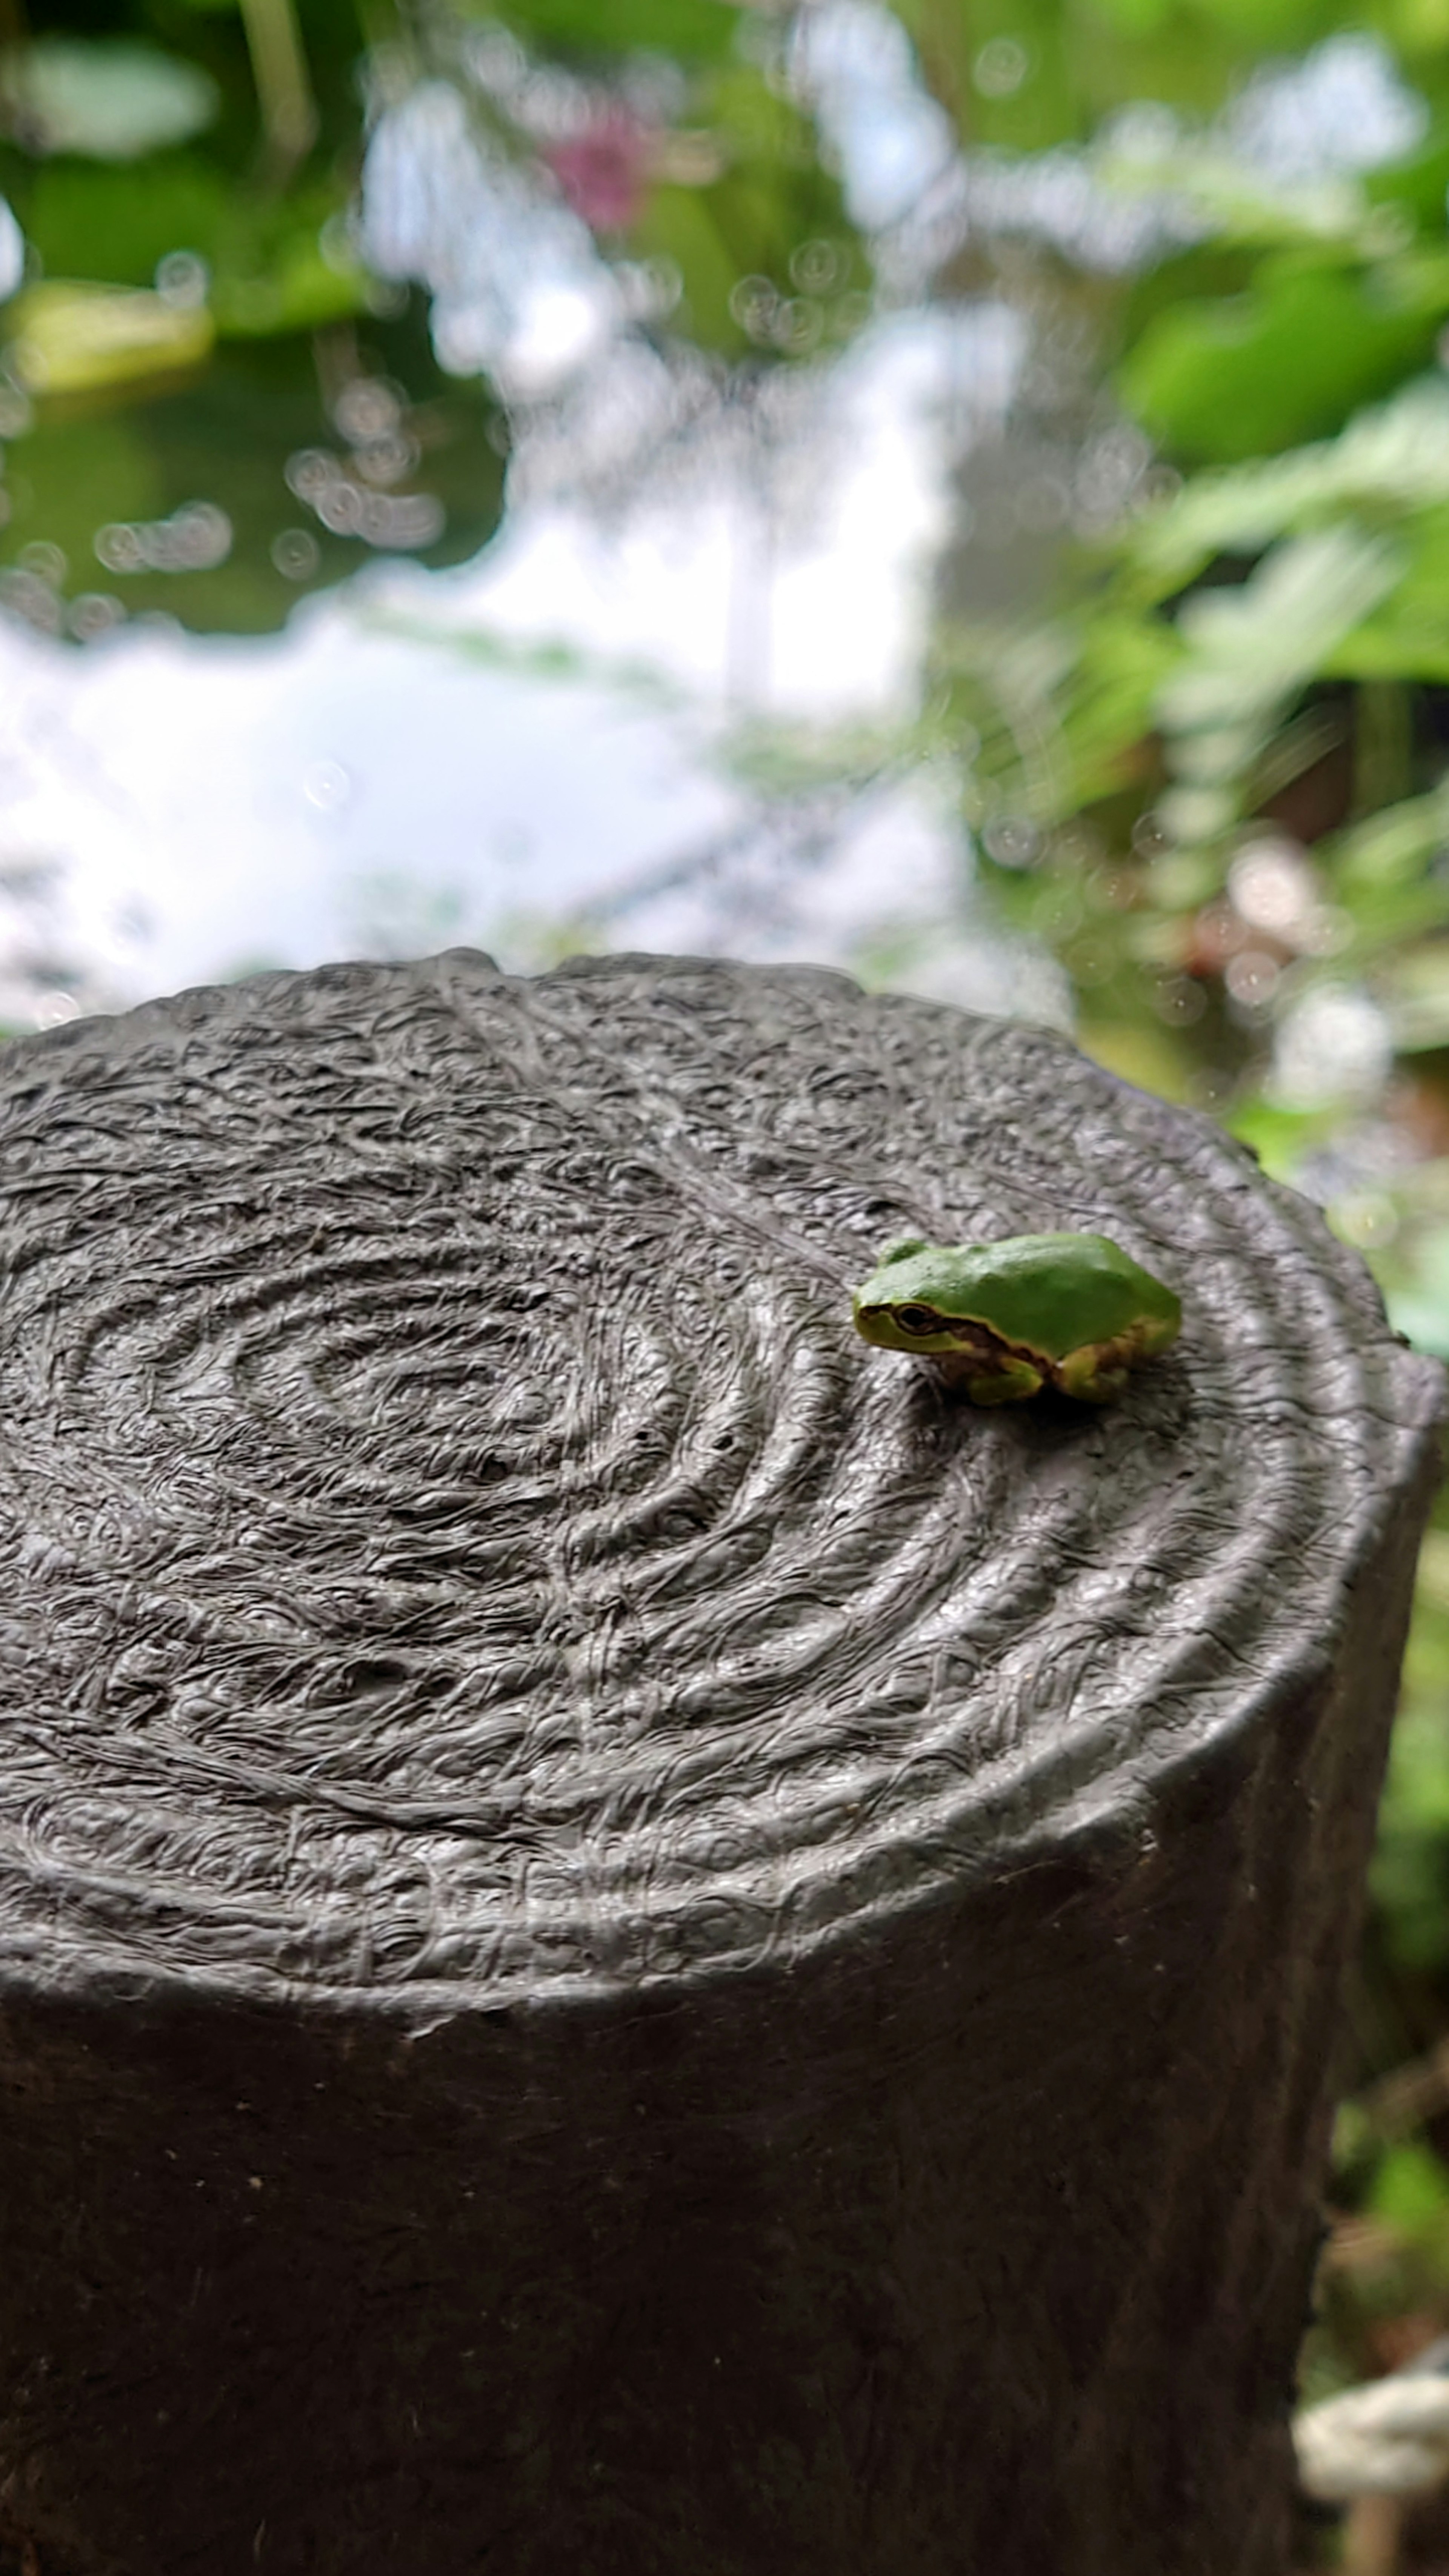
[{"x": 917, "y": 1319}]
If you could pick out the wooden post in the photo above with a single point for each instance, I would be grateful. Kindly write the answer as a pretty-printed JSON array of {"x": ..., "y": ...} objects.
[{"x": 629, "y": 1945}]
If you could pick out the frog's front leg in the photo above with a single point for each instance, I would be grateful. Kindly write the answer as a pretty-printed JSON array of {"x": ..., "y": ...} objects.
[{"x": 1008, "y": 1380}]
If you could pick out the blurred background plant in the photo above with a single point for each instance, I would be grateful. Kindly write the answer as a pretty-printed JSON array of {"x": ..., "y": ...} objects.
[{"x": 1138, "y": 313}]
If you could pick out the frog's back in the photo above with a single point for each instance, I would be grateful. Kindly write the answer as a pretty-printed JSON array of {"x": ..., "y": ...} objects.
[{"x": 1062, "y": 1291}]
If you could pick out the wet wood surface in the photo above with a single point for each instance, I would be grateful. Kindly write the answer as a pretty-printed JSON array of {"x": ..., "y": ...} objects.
[{"x": 630, "y": 1943}]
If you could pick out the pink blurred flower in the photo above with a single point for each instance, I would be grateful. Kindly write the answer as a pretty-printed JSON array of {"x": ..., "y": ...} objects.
[{"x": 603, "y": 170}]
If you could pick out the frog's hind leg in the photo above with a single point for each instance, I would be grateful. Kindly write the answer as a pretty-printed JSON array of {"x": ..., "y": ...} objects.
[{"x": 1092, "y": 1375}]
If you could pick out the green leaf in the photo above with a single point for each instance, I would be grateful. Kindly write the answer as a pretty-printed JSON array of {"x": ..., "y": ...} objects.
[
  {"x": 1251, "y": 647},
  {"x": 1407, "y": 635},
  {"x": 1389, "y": 848},
  {"x": 1391, "y": 459},
  {"x": 1385, "y": 877},
  {"x": 1248, "y": 375},
  {"x": 117, "y": 224}
]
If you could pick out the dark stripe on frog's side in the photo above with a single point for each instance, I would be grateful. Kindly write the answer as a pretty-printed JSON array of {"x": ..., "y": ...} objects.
[
  {"x": 977, "y": 1341},
  {"x": 979, "y": 1352}
]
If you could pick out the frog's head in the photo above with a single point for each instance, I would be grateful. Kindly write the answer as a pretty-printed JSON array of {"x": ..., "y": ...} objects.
[{"x": 907, "y": 1302}]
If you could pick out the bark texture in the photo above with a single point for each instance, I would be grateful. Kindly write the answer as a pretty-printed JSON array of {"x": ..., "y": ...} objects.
[{"x": 630, "y": 1945}]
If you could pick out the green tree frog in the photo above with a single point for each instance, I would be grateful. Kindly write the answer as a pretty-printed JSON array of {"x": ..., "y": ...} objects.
[{"x": 1003, "y": 1320}]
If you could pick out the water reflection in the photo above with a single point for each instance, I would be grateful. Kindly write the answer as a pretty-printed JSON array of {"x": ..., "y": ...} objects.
[{"x": 553, "y": 747}]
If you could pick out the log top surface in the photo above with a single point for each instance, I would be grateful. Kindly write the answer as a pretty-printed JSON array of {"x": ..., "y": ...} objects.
[{"x": 457, "y": 1549}]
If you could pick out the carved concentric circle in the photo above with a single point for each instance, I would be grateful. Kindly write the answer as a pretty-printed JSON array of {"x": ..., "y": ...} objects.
[{"x": 456, "y": 1545}]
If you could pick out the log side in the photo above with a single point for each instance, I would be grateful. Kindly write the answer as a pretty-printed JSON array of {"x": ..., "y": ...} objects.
[{"x": 628, "y": 1943}]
